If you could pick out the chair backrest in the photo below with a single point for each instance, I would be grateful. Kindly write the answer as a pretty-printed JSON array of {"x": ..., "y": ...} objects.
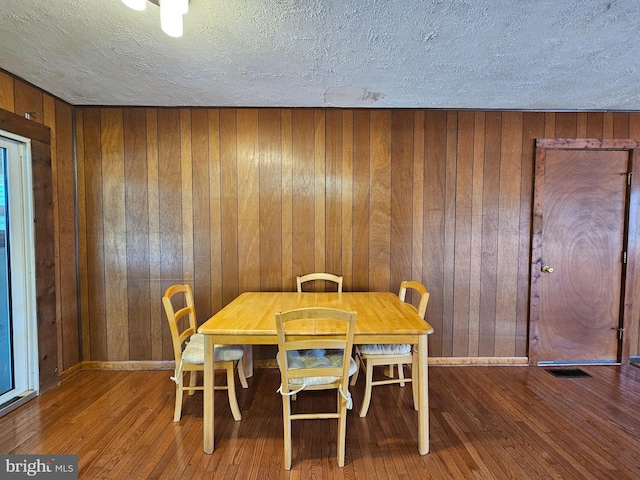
[
  {"x": 422, "y": 291},
  {"x": 181, "y": 331},
  {"x": 335, "y": 332},
  {"x": 319, "y": 276}
]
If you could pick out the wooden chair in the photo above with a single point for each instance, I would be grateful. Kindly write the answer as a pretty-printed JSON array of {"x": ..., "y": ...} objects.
[
  {"x": 369, "y": 356},
  {"x": 319, "y": 276},
  {"x": 188, "y": 349},
  {"x": 319, "y": 362}
]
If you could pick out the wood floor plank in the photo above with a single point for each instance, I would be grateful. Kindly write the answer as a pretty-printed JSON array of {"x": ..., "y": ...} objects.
[{"x": 486, "y": 423}]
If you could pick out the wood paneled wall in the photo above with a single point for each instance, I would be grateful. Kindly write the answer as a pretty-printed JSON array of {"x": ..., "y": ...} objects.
[
  {"x": 231, "y": 200},
  {"x": 53, "y": 170}
]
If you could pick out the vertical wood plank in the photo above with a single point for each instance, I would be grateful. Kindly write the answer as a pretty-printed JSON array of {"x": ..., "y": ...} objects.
[
  {"x": 215, "y": 206},
  {"x": 202, "y": 235},
  {"x": 549, "y": 125},
  {"x": 44, "y": 265},
  {"x": 476, "y": 232},
  {"x": 333, "y": 192},
  {"x": 319, "y": 183},
  {"x": 463, "y": 233},
  {"x": 156, "y": 291},
  {"x": 66, "y": 234},
  {"x": 288, "y": 275},
  {"x": 186, "y": 174},
  {"x": 137, "y": 233},
  {"x": 595, "y": 121},
  {"x": 48, "y": 118},
  {"x": 7, "y": 98},
  {"x": 508, "y": 233},
  {"x": 401, "y": 197},
  {"x": 490, "y": 224},
  {"x": 566, "y": 125},
  {"x": 380, "y": 202},
  {"x": 581, "y": 125},
  {"x": 83, "y": 300},
  {"x": 229, "y": 205},
  {"x": 170, "y": 208},
  {"x": 621, "y": 125},
  {"x": 449, "y": 232},
  {"x": 347, "y": 199},
  {"x": 434, "y": 201},
  {"x": 95, "y": 234},
  {"x": 248, "y": 192},
  {"x": 270, "y": 197},
  {"x": 418, "y": 197},
  {"x": 303, "y": 192},
  {"x": 634, "y": 125},
  {"x": 115, "y": 230},
  {"x": 361, "y": 194},
  {"x": 607, "y": 125}
]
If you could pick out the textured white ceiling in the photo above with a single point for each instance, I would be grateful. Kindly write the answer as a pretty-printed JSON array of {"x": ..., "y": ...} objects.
[{"x": 487, "y": 54}]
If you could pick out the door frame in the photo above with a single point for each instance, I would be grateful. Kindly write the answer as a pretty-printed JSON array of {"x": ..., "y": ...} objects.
[
  {"x": 630, "y": 231},
  {"x": 22, "y": 292}
]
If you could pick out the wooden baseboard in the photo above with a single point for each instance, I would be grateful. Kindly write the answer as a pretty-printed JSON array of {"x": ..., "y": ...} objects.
[
  {"x": 265, "y": 363},
  {"x": 70, "y": 372},
  {"x": 478, "y": 361},
  {"x": 130, "y": 365},
  {"x": 438, "y": 361},
  {"x": 271, "y": 363}
]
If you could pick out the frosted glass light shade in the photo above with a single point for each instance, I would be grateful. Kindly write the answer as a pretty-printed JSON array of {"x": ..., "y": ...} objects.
[
  {"x": 136, "y": 4},
  {"x": 170, "y": 18}
]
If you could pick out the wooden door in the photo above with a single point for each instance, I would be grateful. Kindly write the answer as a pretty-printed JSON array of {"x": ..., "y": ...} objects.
[{"x": 580, "y": 250}]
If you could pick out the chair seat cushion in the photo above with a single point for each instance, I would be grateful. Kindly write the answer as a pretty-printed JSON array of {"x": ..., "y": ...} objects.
[
  {"x": 380, "y": 349},
  {"x": 316, "y": 358},
  {"x": 194, "y": 351}
]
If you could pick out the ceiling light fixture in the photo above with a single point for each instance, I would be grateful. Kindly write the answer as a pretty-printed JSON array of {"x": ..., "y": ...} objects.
[{"x": 171, "y": 12}]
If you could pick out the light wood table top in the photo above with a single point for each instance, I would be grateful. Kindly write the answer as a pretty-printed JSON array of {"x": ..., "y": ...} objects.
[{"x": 382, "y": 318}]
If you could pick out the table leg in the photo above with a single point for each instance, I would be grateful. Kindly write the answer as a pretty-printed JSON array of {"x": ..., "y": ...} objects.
[
  {"x": 247, "y": 361},
  {"x": 423, "y": 396},
  {"x": 208, "y": 419}
]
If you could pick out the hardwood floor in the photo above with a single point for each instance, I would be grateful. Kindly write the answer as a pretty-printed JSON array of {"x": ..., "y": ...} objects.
[{"x": 486, "y": 422}]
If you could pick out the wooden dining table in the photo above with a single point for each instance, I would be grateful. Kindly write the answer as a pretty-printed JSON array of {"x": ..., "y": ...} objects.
[{"x": 382, "y": 318}]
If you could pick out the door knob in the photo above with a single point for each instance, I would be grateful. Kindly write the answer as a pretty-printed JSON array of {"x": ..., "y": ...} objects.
[{"x": 547, "y": 269}]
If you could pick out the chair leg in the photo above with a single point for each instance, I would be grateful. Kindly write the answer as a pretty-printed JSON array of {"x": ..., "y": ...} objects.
[
  {"x": 286, "y": 412},
  {"x": 354, "y": 377},
  {"x": 193, "y": 380},
  {"x": 367, "y": 391},
  {"x": 177, "y": 412},
  {"x": 231, "y": 390},
  {"x": 388, "y": 371},
  {"x": 342, "y": 428},
  {"x": 241, "y": 375},
  {"x": 401, "y": 374}
]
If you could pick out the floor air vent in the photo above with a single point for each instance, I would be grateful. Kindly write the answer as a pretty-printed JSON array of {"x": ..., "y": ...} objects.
[{"x": 567, "y": 372}]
